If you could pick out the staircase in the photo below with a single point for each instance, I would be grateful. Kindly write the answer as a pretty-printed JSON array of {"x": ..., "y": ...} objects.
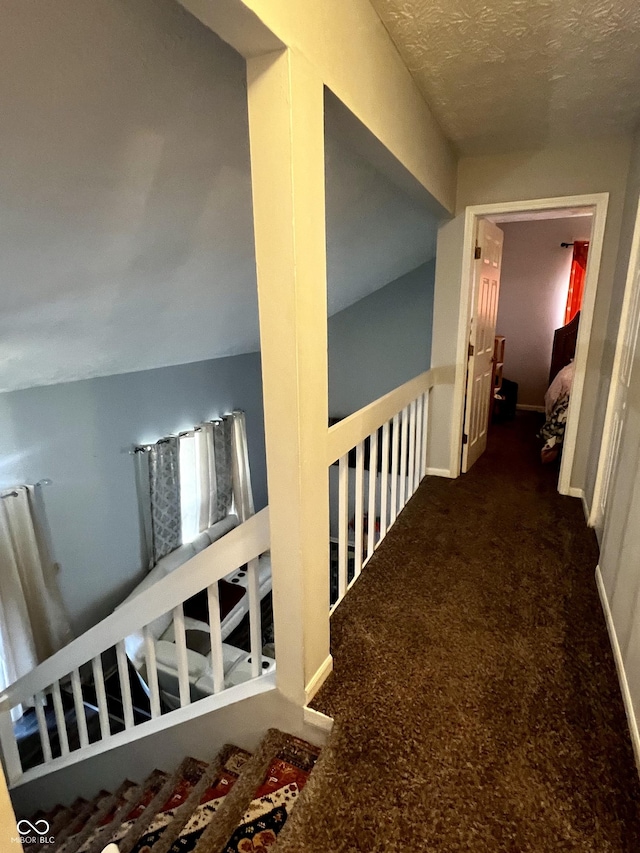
[{"x": 235, "y": 804}]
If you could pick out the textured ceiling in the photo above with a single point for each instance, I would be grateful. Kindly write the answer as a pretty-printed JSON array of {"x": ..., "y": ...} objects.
[{"x": 511, "y": 74}]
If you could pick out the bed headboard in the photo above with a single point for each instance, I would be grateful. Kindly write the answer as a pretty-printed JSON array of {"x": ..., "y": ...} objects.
[{"x": 564, "y": 346}]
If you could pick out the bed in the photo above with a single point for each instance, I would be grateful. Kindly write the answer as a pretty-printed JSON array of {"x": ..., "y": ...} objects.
[{"x": 556, "y": 400}]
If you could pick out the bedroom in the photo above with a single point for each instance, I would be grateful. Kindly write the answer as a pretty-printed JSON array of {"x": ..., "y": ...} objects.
[
  {"x": 535, "y": 269},
  {"x": 541, "y": 289}
]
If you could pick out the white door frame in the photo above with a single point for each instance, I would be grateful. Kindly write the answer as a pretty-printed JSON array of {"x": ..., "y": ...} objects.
[
  {"x": 598, "y": 203},
  {"x": 605, "y": 465}
]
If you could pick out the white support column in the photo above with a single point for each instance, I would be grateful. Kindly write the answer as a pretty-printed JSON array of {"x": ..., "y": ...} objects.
[{"x": 286, "y": 125}]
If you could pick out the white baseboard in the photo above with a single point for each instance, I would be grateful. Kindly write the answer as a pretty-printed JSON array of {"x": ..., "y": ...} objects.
[
  {"x": 622, "y": 676},
  {"x": 525, "y": 407},
  {"x": 318, "y": 679},
  {"x": 575, "y": 492},
  {"x": 318, "y": 719},
  {"x": 438, "y": 472}
]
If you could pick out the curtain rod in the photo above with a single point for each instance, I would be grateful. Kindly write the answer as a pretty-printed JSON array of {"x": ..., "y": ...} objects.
[
  {"x": 567, "y": 245},
  {"x": 145, "y": 448},
  {"x": 13, "y": 493}
]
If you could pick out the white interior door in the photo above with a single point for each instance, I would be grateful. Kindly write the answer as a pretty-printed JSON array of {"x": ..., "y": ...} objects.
[
  {"x": 618, "y": 401},
  {"x": 486, "y": 289}
]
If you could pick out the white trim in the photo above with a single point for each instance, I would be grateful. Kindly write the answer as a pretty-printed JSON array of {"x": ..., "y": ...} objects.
[
  {"x": 253, "y": 687},
  {"x": 585, "y": 507},
  {"x": 622, "y": 676},
  {"x": 317, "y": 719},
  {"x": 235, "y": 548},
  {"x": 598, "y": 202},
  {"x": 318, "y": 679},
  {"x": 439, "y": 472},
  {"x": 525, "y": 407},
  {"x": 598, "y": 509},
  {"x": 349, "y": 432},
  {"x": 575, "y": 492},
  {"x": 582, "y": 346},
  {"x": 462, "y": 344}
]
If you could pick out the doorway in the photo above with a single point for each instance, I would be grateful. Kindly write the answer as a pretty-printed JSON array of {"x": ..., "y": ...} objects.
[{"x": 457, "y": 249}]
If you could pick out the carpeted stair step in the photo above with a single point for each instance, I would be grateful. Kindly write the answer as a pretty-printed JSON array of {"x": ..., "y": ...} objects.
[
  {"x": 57, "y": 819},
  {"x": 183, "y": 782},
  {"x": 149, "y": 796},
  {"x": 195, "y": 815},
  {"x": 101, "y": 817},
  {"x": 220, "y": 807},
  {"x": 130, "y": 803},
  {"x": 111, "y": 821},
  {"x": 263, "y": 797},
  {"x": 78, "y": 820}
]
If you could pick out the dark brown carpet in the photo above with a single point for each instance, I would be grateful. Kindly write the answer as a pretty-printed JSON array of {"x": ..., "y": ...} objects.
[{"x": 476, "y": 701}]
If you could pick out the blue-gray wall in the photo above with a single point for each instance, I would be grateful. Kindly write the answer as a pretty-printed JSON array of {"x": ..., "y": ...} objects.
[
  {"x": 381, "y": 341},
  {"x": 80, "y": 434}
]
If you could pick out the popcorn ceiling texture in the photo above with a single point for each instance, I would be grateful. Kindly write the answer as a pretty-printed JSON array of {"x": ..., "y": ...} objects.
[{"x": 519, "y": 74}]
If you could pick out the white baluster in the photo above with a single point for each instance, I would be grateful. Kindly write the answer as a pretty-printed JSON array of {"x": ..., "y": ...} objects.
[
  {"x": 373, "y": 488},
  {"x": 425, "y": 432},
  {"x": 152, "y": 673},
  {"x": 343, "y": 525},
  {"x": 395, "y": 440},
  {"x": 215, "y": 633},
  {"x": 60, "y": 721},
  {"x": 255, "y": 617},
  {"x": 359, "y": 508},
  {"x": 101, "y": 694},
  {"x": 417, "y": 468},
  {"x": 412, "y": 449},
  {"x": 78, "y": 701},
  {"x": 384, "y": 482},
  {"x": 403, "y": 459},
  {"x": 10, "y": 753},
  {"x": 181, "y": 655},
  {"x": 40, "y": 701},
  {"x": 125, "y": 685}
]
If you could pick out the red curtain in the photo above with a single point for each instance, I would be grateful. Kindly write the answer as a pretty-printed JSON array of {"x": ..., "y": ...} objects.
[{"x": 576, "y": 282}]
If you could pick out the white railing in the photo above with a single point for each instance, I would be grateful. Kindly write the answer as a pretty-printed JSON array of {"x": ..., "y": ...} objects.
[
  {"x": 66, "y": 671},
  {"x": 381, "y": 452}
]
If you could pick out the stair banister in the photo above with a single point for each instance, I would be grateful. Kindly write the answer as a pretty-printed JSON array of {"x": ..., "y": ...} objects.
[
  {"x": 347, "y": 433},
  {"x": 241, "y": 545},
  {"x": 397, "y": 462}
]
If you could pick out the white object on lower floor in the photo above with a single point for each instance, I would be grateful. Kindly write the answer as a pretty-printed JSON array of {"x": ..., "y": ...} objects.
[
  {"x": 241, "y": 546},
  {"x": 200, "y": 671},
  {"x": 111, "y": 848}
]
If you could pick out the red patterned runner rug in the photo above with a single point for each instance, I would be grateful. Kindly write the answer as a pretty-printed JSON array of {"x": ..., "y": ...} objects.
[
  {"x": 274, "y": 800},
  {"x": 210, "y": 802},
  {"x": 190, "y": 774}
]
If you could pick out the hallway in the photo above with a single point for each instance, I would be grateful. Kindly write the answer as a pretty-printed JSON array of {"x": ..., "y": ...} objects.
[{"x": 474, "y": 691}]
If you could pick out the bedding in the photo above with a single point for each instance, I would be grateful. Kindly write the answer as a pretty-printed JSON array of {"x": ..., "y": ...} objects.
[{"x": 556, "y": 402}]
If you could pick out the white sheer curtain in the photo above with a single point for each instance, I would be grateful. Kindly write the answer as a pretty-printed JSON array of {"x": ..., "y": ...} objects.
[
  {"x": 33, "y": 620},
  {"x": 189, "y": 482},
  {"x": 242, "y": 492},
  {"x": 214, "y": 474}
]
